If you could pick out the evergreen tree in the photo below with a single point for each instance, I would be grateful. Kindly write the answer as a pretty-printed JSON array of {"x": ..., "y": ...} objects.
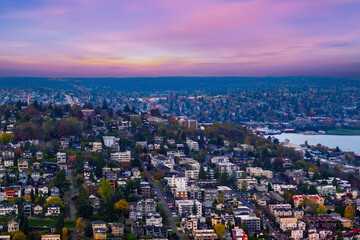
[
  {"x": 194, "y": 209},
  {"x": 202, "y": 174}
]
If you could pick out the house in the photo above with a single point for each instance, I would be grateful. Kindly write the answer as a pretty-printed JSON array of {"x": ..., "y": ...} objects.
[
  {"x": 96, "y": 146},
  {"x": 50, "y": 237},
  {"x": 8, "y": 209},
  {"x": 313, "y": 234},
  {"x": 153, "y": 219},
  {"x": 60, "y": 157},
  {"x": 95, "y": 201},
  {"x": 38, "y": 210},
  {"x": 28, "y": 189},
  {"x": 117, "y": 229},
  {"x": 54, "y": 191},
  {"x": 99, "y": 229},
  {"x": 8, "y": 162},
  {"x": 71, "y": 158},
  {"x": 39, "y": 155},
  {"x": 137, "y": 230},
  {"x": 27, "y": 208},
  {"x": 43, "y": 190},
  {"x": 53, "y": 209},
  {"x": 13, "y": 226}
]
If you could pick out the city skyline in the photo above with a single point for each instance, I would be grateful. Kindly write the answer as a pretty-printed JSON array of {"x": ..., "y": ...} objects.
[{"x": 162, "y": 38}]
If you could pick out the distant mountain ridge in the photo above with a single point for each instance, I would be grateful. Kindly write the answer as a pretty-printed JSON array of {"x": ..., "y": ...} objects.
[{"x": 164, "y": 84}]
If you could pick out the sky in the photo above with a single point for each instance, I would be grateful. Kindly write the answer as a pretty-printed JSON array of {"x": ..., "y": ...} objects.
[{"x": 118, "y": 38}]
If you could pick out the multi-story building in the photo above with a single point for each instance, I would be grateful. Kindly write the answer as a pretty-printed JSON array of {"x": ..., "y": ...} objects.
[
  {"x": 50, "y": 237},
  {"x": 193, "y": 145},
  {"x": 110, "y": 141},
  {"x": 178, "y": 182},
  {"x": 205, "y": 234},
  {"x": 186, "y": 207},
  {"x": 238, "y": 234},
  {"x": 326, "y": 190},
  {"x": 23, "y": 164},
  {"x": 227, "y": 167},
  {"x": 146, "y": 206},
  {"x": 298, "y": 199},
  {"x": 252, "y": 221},
  {"x": 259, "y": 172},
  {"x": 180, "y": 193},
  {"x": 297, "y": 234},
  {"x": 122, "y": 157}
]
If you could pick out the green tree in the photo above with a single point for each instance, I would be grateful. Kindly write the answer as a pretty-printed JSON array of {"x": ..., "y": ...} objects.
[
  {"x": 312, "y": 190},
  {"x": 202, "y": 174},
  {"x": 84, "y": 207},
  {"x": 60, "y": 223},
  {"x": 194, "y": 209}
]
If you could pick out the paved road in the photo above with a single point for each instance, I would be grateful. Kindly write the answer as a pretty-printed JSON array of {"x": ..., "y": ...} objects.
[
  {"x": 272, "y": 231},
  {"x": 71, "y": 192},
  {"x": 163, "y": 202}
]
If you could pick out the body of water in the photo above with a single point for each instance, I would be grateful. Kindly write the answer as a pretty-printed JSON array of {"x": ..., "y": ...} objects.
[{"x": 344, "y": 142}]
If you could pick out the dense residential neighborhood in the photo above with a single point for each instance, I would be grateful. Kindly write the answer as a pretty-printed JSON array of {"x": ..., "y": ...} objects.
[{"x": 70, "y": 172}]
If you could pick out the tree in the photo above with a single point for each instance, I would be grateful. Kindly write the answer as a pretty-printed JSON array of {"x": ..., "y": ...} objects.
[
  {"x": 312, "y": 190},
  {"x": 105, "y": 189},
  {"x": 84, "y": 207},
  {"x": 202, "y": 174},
  {"x": 244, "y": 186},
  {"x": 221, "y": 198},
  {"x": 64, "y": 233},
  {"x": 349, "y": 212},
  {"x": 220, "y": 230},
  {"x": 122, "y": 206},
  {"x": 19, "y": 236},
  {"x": 321, "y": 209},
  {"x": 60, "y": 223},
  {"x": 304, "y": 202},
  {"x": 339, "y": 235},
  {"x": 54, "y": 200},
  {"x": 194, "y": 209},
  {"x": 224, "y": 179},
  {"x": 131, "y": 236}
]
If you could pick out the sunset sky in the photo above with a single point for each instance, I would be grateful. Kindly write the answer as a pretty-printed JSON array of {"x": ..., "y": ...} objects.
[{"x": 115, "y": 38}]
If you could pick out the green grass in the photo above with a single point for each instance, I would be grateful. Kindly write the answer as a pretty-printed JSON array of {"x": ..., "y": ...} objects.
[
  {"x": 49, "y": 222},
  {"x": 342, "y": 131}
]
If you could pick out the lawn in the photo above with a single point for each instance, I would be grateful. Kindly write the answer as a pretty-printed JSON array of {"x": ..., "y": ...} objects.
[
  {"x": 49, "y": 222},
  {"x": 342, "y": 131}
]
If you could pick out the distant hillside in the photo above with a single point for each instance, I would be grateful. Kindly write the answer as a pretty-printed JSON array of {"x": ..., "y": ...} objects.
[{"x": 164, "y": 84}]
